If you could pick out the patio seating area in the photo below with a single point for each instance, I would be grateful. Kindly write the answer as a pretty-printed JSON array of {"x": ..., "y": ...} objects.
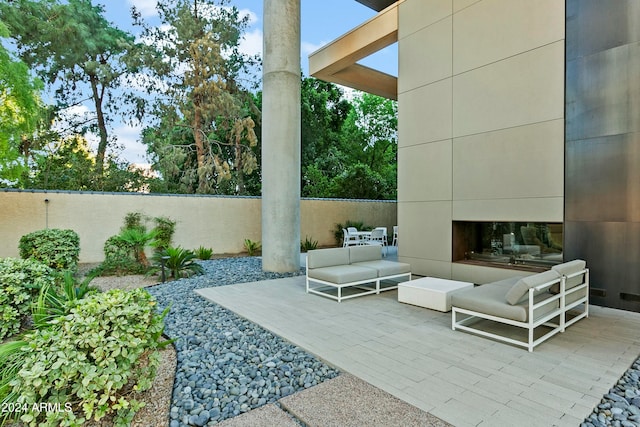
[{"x": 466, "y": 380}]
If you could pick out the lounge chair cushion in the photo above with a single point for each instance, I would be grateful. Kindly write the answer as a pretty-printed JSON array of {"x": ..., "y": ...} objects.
[
  {"x": 328, "y": 257},
  {"x": 489, "y": 299},
  {"x": 567, "y": 269},
  {"x": 386, "y": 268},
  {"x": 522, "y": 286},
  {"x": 341, "y": 274},
  {"x": 364, "y": 253}
]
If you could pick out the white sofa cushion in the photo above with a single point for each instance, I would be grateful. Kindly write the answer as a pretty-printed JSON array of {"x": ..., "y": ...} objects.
[
  {"x": 386, "y": 268},
  {"x": 567, "y": 269},
  {"x": 327, "y": 257},
  {"x": 522, "y": 286},
  {"x": 364, "y": 253},
  {"x": 342, "y": 274}
]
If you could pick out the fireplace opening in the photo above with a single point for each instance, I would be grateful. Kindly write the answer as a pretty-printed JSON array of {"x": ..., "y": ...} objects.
[{"x": 516, "y": 245}]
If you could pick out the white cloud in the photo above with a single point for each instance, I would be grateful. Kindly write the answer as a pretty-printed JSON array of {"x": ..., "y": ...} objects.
[
  {"x": 251, "y": 43},
  {"x": 132, "y": 149},
  {"x": 308, "y": 48},
  {"x": 146, "y": 7}
]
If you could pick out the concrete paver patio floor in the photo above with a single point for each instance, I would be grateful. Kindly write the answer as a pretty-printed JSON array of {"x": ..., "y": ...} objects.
[{"x": 466, "y": 380}]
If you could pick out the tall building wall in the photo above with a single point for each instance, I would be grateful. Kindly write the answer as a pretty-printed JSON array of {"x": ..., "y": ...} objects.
[
  {"x": 602, "y": 223},
  {"x": 481, "y": 122}
]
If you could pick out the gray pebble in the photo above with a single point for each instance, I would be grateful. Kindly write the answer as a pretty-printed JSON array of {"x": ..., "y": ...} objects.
[{"x": 228, "y": 365}]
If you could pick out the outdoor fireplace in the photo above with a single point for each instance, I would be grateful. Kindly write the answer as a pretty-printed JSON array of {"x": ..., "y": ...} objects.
[{"x": 517, "y": 245}]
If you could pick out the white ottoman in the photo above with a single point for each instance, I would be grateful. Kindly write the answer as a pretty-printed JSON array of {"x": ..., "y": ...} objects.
[{"x": 430, "y": 292}]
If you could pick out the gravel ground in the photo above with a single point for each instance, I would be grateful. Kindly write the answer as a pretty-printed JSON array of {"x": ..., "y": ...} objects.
[{"x": 227, "y": 365}]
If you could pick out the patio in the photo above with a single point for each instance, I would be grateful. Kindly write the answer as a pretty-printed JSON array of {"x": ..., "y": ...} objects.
[{"x": 463, "y": 379}]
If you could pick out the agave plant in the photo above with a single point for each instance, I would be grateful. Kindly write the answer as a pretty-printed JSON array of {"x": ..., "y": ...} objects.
[
  {"x": 251, "y": 246},
  {"x": 180, "y": 262},
  {"x": 308, "y": 244}
]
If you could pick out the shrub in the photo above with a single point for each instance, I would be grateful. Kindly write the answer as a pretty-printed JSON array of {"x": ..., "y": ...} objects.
[
  {"x": 119, "y": 259},
  {"x": 54, "y": 300},
  {"x": 308, "y": 244},
  {"x": 180, "y": 262},
  {"x": 134, "y": 220},
  {"x": 91, "y": 362},
  {"x": 20, "y": 283},
  {"x": 164, "y": 229},
  {"x": 59, "y": 249},
  {"x": 204, "y": 253}
]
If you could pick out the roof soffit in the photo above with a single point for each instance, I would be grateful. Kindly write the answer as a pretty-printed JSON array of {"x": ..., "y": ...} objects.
[{"x": 337, "y": 61}]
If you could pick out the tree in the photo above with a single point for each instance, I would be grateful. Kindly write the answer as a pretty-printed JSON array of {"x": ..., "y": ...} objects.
[
  {"x": 195, "y": 56},
  {"x": 68, "y": 164},
  {"x": 323, "y": 112},
  {"x": 369, "y": 135},
  {"x": 20, "y": 106},
  {"x": 72, "y": 45},
  {"x": 349, "y": 148}
]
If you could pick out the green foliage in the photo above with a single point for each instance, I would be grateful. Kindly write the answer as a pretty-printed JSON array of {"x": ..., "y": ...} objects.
[
  {"x": 68, "y": 164},
  {"x": 164, "y": 229},
  {"x": 180, "y": 262},
  {"x": 349, "y": 148},
  {"x": 359, "y": 181},
  {"x": 206, "y": 134},
  {"x": 59, "y": 249},
  {"x": 134, "y": 220},
  {"x": 252, "y": 247},
  {"x": 72, "y": 44},
  {"x": 95, "y": 359},
  {"x": 138, "y": 239},
  {"x": 54, "y": 299},
  {"x": 20, "y": 283},
  {"x": 119, "y": 259},
  {"x": 308, "y": 244},
  {"x": 124, "y": 253},
  {"x": 10, "y": 364},
  {"x": 20, "y": 106},
  {"x": 204, "y": 253}
]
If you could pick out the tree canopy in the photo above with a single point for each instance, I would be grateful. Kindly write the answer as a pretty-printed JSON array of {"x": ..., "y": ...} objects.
[
  {"x": 196, "y": 92},
  {"x": 197, "y": 62},
  {"x": 72, "y": 46},
  {"x": 20, "y": 107}
]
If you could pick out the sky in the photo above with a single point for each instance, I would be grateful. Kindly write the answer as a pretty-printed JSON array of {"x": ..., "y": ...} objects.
[{"x": 321, "y": 22}]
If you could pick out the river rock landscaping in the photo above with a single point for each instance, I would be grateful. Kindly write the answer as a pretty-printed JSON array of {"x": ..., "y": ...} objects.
[{"x": 227, "y": 365}]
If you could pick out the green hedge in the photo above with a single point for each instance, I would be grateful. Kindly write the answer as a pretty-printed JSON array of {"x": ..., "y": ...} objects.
[
  {"x": 20, "y": 283},
  {"x": 59, "y": 249},
  {"x": 91, "y": 362}
]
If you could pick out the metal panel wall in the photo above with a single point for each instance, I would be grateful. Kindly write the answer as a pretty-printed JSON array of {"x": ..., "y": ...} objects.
[{"x": 602, "y": 154}]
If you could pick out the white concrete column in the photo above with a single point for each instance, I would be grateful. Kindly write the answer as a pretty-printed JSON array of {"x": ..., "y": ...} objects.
[{"x": 281, "y": 136}]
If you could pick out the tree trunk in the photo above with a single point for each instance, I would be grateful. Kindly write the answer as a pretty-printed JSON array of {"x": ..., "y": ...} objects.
[
  {"x": 102, "y": 126},
  {"x": 200, "y": 153},
  {"x": 239, "y": 166}
]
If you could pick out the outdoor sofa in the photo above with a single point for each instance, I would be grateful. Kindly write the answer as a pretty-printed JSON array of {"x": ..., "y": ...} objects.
[
  {"x": 542, "y": 304},
  {"x": 359, "y": 268}
]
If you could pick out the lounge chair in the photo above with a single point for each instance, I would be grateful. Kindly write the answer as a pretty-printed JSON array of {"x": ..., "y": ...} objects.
[{"x": 543, "y": 304}]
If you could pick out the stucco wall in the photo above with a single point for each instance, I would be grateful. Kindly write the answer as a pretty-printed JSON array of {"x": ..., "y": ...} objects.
[
  {"x": 218, "y": 222},
  {"x": 480, "y": 122}
]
